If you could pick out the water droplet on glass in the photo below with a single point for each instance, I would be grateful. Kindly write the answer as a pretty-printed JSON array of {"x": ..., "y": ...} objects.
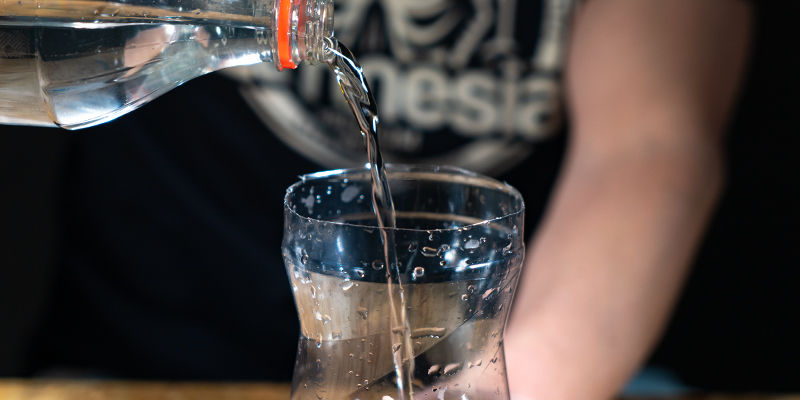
[
  {"x": 360, "y": 272},
  {"x": 472, "y": 244},
  {"x": 442, "y": 263},
  {"x": 362, "y": 311},
  {"x": 412, "y": 247},
  {"x": 396, "y": 347},
  {"x": 471, "y": 288},
  {"x": 347, "y": 284},
  {"x": 433, "y": 369},
  {"x": 464, "y": 297},
  {"x": 430, "y": 251},
  {"x": 419, "y": 272},
  {"x": 450, "y": 368},
  {"x": 349, "y": 193},
  {"x": 377, "y": 265},
  {"x": 304, "y": 259},
  {"x": 434, "y": 332},
  {"x": 442, "y": 249}
]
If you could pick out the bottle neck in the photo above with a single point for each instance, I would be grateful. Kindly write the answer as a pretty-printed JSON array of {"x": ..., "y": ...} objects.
[{"x": 301, "y": 28}]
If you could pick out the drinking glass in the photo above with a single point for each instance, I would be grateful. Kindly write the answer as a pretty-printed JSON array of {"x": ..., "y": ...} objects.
[{"x": 458, "y": 250}]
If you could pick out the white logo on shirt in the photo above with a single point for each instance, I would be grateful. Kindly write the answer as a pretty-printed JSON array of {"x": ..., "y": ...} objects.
[{"x": 452, "y": 79}]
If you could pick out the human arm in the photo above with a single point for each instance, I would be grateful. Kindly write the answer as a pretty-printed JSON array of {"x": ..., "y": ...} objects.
[{"x": 650, "y": 86}]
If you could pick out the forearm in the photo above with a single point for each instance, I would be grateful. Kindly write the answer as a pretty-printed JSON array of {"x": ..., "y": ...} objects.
[
  {"x": 650, "y": 86},
  {"x": 606, "y": 267}
]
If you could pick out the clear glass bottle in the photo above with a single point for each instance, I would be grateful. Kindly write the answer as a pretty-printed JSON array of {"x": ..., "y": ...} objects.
[{"x": 79, "y": 63}]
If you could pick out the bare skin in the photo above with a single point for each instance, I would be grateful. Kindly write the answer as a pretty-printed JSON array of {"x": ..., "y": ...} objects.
[{"x": 650, "y": 87}]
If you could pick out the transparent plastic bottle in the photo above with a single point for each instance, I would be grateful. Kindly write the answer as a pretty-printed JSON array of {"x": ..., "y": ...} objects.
[{"x": 79, "y": 63}]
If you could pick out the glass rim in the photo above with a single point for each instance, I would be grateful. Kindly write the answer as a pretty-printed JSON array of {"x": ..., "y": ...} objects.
[{"x": 427, "y": 171}]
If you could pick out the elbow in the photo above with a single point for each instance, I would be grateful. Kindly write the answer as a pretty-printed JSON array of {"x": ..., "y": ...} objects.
[{"x": 687, "y": 166}]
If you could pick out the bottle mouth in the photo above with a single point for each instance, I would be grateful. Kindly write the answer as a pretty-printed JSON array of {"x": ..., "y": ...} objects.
[
  {"x": 301, "y": 30},
  {"x": 283, "y": 35}
]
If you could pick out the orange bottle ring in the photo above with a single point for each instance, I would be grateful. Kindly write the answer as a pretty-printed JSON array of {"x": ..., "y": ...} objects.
[{"x": 283, "y": 35}]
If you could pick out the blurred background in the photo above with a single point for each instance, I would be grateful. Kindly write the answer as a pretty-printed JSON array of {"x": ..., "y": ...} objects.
[{"x": 182, "y": 194}]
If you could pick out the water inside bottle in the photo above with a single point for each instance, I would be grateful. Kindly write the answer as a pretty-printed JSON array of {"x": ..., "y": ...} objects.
[{"x": 119, "y": 57}]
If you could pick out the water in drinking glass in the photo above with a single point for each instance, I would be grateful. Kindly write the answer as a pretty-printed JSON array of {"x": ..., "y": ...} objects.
[{"x": 459, "y": 252}]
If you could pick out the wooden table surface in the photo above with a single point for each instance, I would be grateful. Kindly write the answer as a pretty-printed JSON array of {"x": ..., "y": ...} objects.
[{"x": 124, "y": 390}]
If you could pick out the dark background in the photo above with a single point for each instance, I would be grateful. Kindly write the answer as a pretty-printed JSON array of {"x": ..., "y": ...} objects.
[
  {"x": 736, "y": 325},
  {"x": 29, "y": 241}
]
